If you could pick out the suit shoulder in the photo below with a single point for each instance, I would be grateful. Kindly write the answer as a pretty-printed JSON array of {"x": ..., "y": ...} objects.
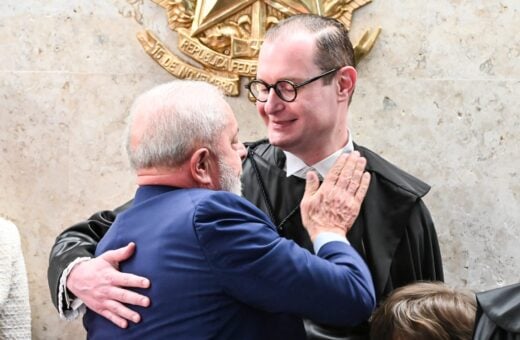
[
  {"x": 226, "y": 201},
  {"x": 224, "y": 212},
  {"x": 393, "y": 175}
]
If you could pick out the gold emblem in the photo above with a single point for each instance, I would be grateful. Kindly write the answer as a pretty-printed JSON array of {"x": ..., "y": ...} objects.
[{"x": 224, "y": 36}]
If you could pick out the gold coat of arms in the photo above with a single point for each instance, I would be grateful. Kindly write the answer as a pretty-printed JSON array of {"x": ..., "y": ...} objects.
[{"x": 224, "y": 36}]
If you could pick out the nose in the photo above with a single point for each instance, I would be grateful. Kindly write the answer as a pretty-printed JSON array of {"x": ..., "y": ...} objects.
[
  {"x": 242, "y": 152},
  {"x": 273, "y": 103}
]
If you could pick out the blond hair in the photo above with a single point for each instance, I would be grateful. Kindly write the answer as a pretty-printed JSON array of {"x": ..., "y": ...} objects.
[{"x": 425, "y": 310}]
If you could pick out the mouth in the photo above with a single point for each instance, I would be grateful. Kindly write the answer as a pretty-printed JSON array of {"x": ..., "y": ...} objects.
[{"x": 282, "y": 123}]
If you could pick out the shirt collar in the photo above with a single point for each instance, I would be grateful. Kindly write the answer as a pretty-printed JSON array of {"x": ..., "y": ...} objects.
[{"x": 295, "y": 166}]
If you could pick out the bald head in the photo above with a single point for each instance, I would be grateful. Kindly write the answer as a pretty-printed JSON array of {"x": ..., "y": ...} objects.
[{"x": 169, "y": 121}]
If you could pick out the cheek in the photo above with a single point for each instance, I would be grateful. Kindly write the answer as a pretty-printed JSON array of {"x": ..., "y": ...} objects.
[
  {"x": 234, "y": 160},
  {"x": 236, "y": 165},
  {"x": 260, "y": 108}
]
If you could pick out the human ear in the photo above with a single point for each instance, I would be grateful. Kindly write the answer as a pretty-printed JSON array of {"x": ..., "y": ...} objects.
[
  {"x": 201, "y": 165},
  {"x": 347, "y": 82}
]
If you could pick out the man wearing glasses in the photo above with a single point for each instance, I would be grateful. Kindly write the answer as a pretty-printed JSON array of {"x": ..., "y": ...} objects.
[{"x": 304, "y": 85}]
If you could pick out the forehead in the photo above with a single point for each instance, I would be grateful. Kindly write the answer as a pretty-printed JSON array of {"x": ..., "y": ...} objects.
[
  {"x": 289, "y": 56},
  {"x": 231, "y": 121}
]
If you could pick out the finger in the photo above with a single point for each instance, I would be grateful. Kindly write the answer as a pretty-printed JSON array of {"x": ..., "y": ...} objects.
[
  {"x": 355, "y": 182},
  {"x": 312, "y": 184},
  {"x": 119, "y": 255},
  {"x": 118, "y": 321},
  {"x": 128, "y": 297},
  {"x": 348, "y": 170},
  {"x": 120, "y": 311},
  {"x": 332, "y": 176},
  {"x": 363, "y": 188},
  {"x": 127, "y": 280}
]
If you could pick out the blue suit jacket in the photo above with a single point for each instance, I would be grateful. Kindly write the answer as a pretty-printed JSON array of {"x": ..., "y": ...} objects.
[{"x": 219, "y": 270}]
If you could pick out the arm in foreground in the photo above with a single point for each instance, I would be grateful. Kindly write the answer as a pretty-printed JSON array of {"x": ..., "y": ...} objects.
[
  {"x": 79, "y": 240},
  {"x": 258, "y": 267},
  {"x": 95, "y": 281}
]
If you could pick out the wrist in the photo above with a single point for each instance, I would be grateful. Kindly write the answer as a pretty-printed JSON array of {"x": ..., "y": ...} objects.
[
  {"x": 326, "y": 237},
  {"x": 70, "y": 281},
  {"x": 320, "y": 231},
  {"x": 65, "y": 295}
]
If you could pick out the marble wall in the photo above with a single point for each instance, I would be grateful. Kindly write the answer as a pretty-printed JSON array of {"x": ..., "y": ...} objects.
[{"x": 438, "y": 95}]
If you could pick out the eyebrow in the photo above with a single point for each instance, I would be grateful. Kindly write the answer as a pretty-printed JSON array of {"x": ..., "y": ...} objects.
[{"x": 293, "y": 79}]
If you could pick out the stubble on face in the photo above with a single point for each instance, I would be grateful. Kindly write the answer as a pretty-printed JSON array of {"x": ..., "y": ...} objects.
[{"x": 228, "y": 179}]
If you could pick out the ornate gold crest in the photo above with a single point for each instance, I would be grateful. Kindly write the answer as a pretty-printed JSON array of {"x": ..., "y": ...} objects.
[{"x": 224, "y": 36}]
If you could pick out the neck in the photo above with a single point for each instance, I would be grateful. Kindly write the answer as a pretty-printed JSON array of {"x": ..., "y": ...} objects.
[
  {"x": 323, "y": 148},
  {"x": 174, "y": 177}
]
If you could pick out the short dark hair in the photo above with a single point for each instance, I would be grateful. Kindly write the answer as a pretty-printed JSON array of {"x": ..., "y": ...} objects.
[{"x": 333, "y": 46}]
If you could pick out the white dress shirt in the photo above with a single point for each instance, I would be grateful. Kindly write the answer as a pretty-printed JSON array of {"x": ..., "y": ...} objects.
[{"x": 294, "y": 166}]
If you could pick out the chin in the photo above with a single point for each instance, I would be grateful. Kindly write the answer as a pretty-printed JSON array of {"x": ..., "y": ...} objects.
[
  {"x": 284, "y": 145},
  {"x": 229, "y": 180},
  {"x": 234, "y": 188},
  {"x": 277, "y": 141}
]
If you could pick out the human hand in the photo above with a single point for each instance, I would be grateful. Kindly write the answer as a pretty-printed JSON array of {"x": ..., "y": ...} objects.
[
  {"x": 335, "y": 205},
  {"x": 97, "y": 282}
]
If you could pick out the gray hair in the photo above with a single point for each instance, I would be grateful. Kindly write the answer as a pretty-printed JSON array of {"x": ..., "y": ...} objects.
[
  {"x": 333, "y": 46},
  {"x": 169, "y": 121}
]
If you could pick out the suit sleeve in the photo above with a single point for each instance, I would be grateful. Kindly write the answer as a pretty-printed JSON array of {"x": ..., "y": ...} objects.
[
  {"x": 79, "y": 240},
  {"x": 258, "y": 267}
]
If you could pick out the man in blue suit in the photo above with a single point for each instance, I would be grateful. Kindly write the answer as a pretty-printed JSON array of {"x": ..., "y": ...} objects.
[{"x": 217, "y": 266}]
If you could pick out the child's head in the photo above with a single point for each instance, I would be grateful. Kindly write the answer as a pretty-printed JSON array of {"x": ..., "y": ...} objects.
[{"x": 425, "y": 310}]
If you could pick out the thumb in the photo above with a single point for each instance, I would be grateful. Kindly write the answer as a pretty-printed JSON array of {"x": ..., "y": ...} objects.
[
  {"x": 312, "y": 184},
  {"x": 119, "y": 255}
]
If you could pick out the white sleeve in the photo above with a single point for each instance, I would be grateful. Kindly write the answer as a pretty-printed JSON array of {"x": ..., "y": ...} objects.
[
  {"x": 73, "y": 307},
  {"x": 326, "y": 237}
]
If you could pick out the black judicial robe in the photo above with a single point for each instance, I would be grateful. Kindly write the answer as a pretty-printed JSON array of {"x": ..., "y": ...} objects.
[
  {"x": 393, "y": 232},
  {"x": 498, "y": 314}
]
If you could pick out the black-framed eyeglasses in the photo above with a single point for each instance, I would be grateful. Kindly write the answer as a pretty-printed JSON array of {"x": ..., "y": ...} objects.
[{"x": 285, "y": 89}]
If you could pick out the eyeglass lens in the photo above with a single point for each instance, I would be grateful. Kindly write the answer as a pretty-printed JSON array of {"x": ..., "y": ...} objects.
[{"x": 284, "y": 89}]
